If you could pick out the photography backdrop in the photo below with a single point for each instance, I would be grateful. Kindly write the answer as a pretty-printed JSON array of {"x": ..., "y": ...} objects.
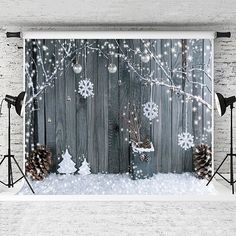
[{"x": 173, "y": 74}]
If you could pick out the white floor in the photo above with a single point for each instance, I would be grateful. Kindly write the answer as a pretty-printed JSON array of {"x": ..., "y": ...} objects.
[
  {"x": 108, "y": 218},
  {"x": 110, "y": 215}
]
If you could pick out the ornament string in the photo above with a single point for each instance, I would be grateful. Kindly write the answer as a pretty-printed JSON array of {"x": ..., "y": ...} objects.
[
  {"x": 85, "y": 63},
  {"x": 151, "y": 91},
  {"x": 186, "y": 117}
]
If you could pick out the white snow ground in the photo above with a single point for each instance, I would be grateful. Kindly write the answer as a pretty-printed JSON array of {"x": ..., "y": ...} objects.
[{"x": 121, "y": 184}]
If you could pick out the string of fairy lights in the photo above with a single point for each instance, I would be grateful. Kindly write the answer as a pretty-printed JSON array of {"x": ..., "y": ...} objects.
[{"x": 151, "y": 66}]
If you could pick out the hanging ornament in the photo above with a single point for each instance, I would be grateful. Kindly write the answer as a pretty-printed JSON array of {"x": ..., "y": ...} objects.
[
  {"x": 112, "y": 68},
  {"x": 150, "y": 110},
  {"x": 185, "y": 140},
  {"x": 77, "y": 68},
  {"x": 145, "y": 57},
  {"x": 86, "y": 88}
]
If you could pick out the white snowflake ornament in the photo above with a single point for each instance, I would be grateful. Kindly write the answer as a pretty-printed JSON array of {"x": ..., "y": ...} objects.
[
  {"x": 85, "y": 88},
  {"x": 185, "y": 140},
  {"x": 150, "y": 110}
]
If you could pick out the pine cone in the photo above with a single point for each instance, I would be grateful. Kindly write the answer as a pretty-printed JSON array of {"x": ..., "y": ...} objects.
[
  {"x": 38, "y": 163},
  {"x": 202, "y": 161},
  {"x": 146, "y": 143}
]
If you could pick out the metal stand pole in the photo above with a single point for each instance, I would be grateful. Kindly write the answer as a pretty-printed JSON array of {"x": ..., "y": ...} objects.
[
  {"x": 231, "y": 155},
  {"x": 10, "y": 182}
]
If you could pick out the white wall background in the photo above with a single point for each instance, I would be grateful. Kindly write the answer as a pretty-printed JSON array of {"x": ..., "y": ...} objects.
[{"x": 115, "y": 218}]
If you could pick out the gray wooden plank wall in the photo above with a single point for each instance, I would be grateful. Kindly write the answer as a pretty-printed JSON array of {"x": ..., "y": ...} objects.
[{"x": 92, "y": 126}]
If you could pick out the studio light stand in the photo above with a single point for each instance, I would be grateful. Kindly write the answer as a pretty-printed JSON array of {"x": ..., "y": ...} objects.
[
  {"x": 17, "y": 102},
  {"x": 221, "y": 104}
]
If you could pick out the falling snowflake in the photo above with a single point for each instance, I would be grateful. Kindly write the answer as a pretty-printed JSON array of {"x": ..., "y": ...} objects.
[
  {"x": 185, "y": 140},
  {"x": 150, "y": 110},
  {"x": 85, "y": 88}
]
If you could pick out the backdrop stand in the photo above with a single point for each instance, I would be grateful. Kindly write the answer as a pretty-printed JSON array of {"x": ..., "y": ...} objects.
[
  {"x": 9, "y": 158},
  {"x": 231, "y": 155}
]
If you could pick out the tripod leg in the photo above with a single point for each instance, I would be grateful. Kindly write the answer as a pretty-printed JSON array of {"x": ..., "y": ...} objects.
[
  {"x": 23, "y": 175},
  {"x": 217, "y": 170},
  {"x": 10, "y": 175},
  {"x": 232, "y": 173},
  {"x": 3, "y": 160},
  {"x": 9, "y": 172}
]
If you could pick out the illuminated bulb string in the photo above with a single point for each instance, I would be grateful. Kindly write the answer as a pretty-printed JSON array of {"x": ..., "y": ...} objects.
[{"x": 131, "y": 67}]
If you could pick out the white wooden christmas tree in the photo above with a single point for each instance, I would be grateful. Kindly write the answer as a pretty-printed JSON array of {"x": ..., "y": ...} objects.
[
  {"x": 84, "y": 168},
  {"x": 66, "y": 166}
]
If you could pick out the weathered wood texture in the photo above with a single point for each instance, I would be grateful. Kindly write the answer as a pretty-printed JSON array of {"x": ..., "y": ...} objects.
[{"x": 92, "y": 126}]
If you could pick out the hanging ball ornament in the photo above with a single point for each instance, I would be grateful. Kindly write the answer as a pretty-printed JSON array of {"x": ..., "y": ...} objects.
[
  {"x": 112, "y": 68},
  {"x": 77, "y": 68},
  {"x": 145, "y": 57}
]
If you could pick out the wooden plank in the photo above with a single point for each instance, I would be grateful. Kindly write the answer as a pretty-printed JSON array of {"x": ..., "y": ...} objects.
[
  {"x": 29, "y": 118},
  {"x": 148, "y": 94},
  {"x": 207, "y": 91},
  {"x": 113, "y": 118},
  {"x": 135, "y": 84},
  {"x": 197, "y": 116},
  {"x": 41, "y": 74},
  {"x": 185, "y": 88},
  {"x": 81, "y": 115},
  {"x": 157, "y": 98},
  {"x": 123, "y": 95},
  {"x": 92, "y": 73},
  {"x": 192, "y": 115},
  {"x": 70, "y": 103},
  {"x": 50, "y": 108},
  {"x": 101, "y": 111},
  {"x": 60, "y": 104},
  {"x": 145, "y": 95},
  {"x": 166, "y": 116},
  {"x": 177, "y": 115}
]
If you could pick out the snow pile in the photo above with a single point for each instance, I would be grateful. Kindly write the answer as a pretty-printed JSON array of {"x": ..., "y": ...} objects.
[
  {"x": 141, "y": 150},
  {"x": 121, "y": 184}
]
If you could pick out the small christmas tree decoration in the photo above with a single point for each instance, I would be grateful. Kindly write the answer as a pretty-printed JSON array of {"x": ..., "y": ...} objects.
[
  {"x": 202, "y": 161},
  {"x": 66, "y": 166},
  {"x": 38, "y": 163},
  {"x": 85, "y": 168}
]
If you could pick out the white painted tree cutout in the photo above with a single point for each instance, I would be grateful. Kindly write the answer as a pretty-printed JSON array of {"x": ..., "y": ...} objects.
[
  {"x": 84, "y": 168},
  {"x": 66, "y": 166}
]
